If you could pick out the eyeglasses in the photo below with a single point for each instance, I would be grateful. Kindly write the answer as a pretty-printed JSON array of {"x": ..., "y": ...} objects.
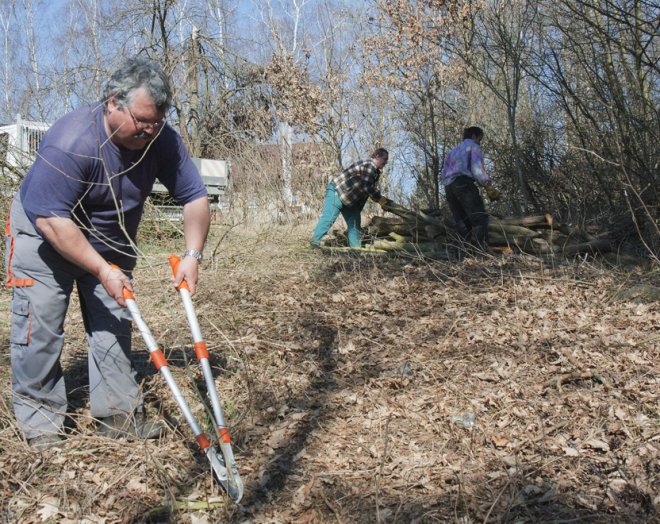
[{"x": 141, "y": 124}]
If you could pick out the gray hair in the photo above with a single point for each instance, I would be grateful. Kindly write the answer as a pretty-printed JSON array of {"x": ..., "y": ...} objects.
[{"x": 135, "y": 73}]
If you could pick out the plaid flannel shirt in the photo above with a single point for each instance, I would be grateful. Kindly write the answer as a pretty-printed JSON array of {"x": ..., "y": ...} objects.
[{"x": 358, "y": 182}]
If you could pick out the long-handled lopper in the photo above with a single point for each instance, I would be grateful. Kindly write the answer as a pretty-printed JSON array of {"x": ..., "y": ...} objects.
[
  {"x": 228, "y": 477},
  {"x": 233, "y": 483}
]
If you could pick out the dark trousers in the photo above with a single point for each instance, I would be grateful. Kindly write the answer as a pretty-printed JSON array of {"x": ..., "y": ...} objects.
[{"x": 467, "y": 207}]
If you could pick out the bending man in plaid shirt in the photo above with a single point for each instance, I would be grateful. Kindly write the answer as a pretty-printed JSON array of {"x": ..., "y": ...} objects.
[{"x": 347, "y": 194}]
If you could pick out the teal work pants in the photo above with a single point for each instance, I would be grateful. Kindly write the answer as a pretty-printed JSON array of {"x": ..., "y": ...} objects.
[{"x": 332, "y": 207}]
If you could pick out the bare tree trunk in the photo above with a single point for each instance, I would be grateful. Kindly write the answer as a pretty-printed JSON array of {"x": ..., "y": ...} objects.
[
  {"x": 515, "y": 152},
  {"x": 435, "y": 162},
  {"x": 34, "y": 63},
  {"x": 5, "y": 22},
  {"x": 219, "y": 16},
  {"x": 286, "y": 158},
  {"x": 193, "y": 82}
]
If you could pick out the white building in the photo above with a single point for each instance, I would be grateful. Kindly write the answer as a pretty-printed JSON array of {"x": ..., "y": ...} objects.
[{"x": 18, "y": 145}]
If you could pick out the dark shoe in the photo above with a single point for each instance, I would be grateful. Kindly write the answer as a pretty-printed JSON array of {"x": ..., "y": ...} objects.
[
  {"x": 43, "y": 442},
  {"x": 129, "y": 427}
]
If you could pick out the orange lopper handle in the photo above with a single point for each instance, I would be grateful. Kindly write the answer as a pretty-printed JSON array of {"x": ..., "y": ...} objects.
[{"x": 174, "y": 263}]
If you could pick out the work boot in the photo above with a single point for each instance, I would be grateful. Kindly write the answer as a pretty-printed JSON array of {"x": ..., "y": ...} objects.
[
  {"x": 129, "y": 427},
  {"x": 43, "y": 442}
]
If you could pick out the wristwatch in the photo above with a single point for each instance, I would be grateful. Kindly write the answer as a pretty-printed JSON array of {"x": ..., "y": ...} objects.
[{"x": 195, "y": 254}]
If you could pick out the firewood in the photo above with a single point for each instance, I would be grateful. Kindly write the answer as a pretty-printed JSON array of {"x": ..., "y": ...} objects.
[
  {"x": 553, "y": 236},
  {"x": 413, "y": 215},
  {"x": 389, "y": 245},
  {"x": 426, "y": 231},
  {"x": 402, "y": 229},
  {"x": 522, "y": 242},
  {"x": 538, "y": 246},
  {"x": 431, "y": 219},
  {"x": 435, "y": 231},
  {"x": 390, "y": 221},
  {"x": 399, "y": 210},
  {"x": 513, "y": 231},
  {"x": 537, "y": 222},
  {"x": 411, "y": 247},
  {"x": 529, "y": 221},
  {"x": 595, "y": 246},
  {"x": 400, "y": 238}
]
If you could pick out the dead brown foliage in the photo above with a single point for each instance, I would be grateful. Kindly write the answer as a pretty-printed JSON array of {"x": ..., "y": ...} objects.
[{"x": 371, "y": 389}]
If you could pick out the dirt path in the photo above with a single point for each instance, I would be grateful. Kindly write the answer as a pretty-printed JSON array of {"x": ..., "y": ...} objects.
[{"x": 366, "y": 389}]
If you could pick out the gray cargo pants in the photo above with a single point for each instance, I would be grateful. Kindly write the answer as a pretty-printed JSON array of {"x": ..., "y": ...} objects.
[{"x": 42, "y": 282}]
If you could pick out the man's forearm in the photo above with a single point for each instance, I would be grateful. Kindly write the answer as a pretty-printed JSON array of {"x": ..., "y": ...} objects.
[
  {"x": 70, "y": 242},
  {"x": 196, "y": 222}
]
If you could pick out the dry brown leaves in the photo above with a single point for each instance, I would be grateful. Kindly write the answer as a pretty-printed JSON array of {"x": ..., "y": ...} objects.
[
  {"x": 298, "y": 100},
  {"x": 368, "y": 389}
]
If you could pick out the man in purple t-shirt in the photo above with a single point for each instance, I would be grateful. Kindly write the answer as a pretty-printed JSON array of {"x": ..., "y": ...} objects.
[{"x": 77, "y": 212}]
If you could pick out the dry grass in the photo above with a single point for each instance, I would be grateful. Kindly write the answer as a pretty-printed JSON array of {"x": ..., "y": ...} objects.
[{"x": 346, "y": 378}]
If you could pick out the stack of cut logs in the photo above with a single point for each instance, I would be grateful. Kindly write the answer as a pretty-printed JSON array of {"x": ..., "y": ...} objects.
[{"x": 427, "y": 232}]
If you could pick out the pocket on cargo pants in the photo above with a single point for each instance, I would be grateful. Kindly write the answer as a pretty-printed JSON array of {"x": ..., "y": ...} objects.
[{"x": 21, "y": 320}]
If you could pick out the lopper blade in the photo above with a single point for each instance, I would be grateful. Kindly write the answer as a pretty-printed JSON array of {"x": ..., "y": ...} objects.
[
  {"x": 234, "y": 481},
  {"x": 230, "y": 480}
]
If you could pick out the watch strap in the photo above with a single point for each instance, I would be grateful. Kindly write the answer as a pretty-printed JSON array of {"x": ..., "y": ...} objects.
[{"x": 195, "y": 254}]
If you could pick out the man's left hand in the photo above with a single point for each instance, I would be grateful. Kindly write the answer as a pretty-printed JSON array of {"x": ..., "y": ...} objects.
[
  {"x": 188, "y": 270},
  {"x": 385, "y": 202},
  {"x": 493, "y": 193}
]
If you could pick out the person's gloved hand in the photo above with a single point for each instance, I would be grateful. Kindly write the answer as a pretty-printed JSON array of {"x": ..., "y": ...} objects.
[
  {"x": 384, "y": 201},
  {"x": 493, "y": 194}
]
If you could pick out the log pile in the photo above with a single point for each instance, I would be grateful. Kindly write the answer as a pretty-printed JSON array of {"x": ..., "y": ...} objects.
[{"x": 427, "y": 232}]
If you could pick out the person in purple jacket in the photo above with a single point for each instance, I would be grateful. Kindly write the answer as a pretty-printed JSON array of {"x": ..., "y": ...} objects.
[
  {"x": 78, "y": 211},
  {"x": 463, "y": 170}
]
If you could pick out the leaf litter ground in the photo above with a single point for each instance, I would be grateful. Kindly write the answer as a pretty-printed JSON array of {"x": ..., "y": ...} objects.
[{"x": 362, "y": 388}]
